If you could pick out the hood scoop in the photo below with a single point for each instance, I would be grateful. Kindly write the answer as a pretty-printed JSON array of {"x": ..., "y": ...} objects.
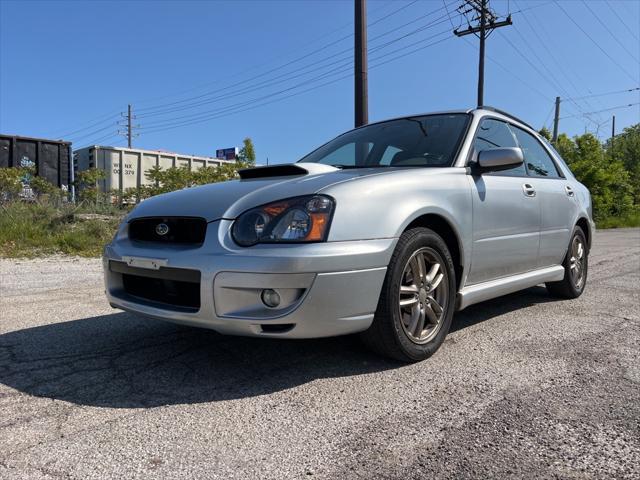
[{"x": 285, "y": 170}]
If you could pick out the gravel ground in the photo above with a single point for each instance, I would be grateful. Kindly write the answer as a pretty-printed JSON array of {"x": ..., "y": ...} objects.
[{"x": 523, "y": 387}]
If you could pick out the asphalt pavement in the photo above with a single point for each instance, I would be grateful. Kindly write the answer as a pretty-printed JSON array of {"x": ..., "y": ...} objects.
[{"x": 525, "y": 386}]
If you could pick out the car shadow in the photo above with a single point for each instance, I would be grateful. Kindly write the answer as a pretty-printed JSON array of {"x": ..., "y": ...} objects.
[{"x": 125, "y": 361}]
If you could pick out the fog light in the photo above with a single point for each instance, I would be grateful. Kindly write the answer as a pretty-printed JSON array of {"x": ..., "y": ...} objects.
[{"x": 270, "y": 298}]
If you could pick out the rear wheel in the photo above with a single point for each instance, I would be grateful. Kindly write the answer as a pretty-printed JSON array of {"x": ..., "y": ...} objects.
[
  {"x": 575, "y": 268},
  {"x": 417, "y": 300}
]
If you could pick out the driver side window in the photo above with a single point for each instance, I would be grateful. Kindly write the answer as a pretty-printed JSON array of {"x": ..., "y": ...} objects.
[{"x": 496, "y": 134}]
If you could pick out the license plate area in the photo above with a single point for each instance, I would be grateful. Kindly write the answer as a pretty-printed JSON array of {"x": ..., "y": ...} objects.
[{"x": 146, "y": 262}]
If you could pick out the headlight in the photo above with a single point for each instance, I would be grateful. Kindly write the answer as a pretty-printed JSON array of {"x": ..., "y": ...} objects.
[{"x": 300, "y": 219}]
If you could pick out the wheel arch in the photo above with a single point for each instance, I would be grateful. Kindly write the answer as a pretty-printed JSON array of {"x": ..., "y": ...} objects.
[
  {"x": 443, "y": 227},
  {"x": 583, "y": 223}
]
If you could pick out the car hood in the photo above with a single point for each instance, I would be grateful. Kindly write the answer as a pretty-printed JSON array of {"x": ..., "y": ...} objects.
[{"x": 261, "y": 185}]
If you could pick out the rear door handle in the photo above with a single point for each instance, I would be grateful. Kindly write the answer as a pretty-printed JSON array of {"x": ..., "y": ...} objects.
[
  {"x": 569, "y": 190},
  {"x": 528, "y": 190}
]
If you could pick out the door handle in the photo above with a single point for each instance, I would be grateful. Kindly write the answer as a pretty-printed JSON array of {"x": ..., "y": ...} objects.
[
  {"x": 528, "y": 190},
  {"x": 569, "y": 191}
]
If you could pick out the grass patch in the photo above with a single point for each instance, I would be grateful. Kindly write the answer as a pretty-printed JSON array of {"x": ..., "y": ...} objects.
[
  {"x": 624, "y": 221},
  {"x": 35, "y": 229}
]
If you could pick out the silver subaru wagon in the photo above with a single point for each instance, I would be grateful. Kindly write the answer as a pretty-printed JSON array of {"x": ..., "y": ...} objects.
[{"x": 384, "y": 231}]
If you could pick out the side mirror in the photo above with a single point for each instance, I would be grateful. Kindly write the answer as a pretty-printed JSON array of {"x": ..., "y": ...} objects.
[{"x": 495, "y": 159}]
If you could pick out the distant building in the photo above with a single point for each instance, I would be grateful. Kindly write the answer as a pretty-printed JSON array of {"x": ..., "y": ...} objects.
[{"x": 126, "y": 167}]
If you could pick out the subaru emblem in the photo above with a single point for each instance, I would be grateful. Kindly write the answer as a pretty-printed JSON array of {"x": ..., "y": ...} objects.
[{"x": 162, "y": 229}]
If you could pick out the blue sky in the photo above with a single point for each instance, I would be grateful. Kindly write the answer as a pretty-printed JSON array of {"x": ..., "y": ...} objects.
[{"x": 203, "y": 75}]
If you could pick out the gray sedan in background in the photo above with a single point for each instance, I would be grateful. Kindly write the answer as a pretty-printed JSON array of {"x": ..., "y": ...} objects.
[{"x": 384, "y": 231}]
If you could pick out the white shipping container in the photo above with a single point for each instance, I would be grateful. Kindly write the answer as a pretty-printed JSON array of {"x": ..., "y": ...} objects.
[{"x": 127, "y": 167}]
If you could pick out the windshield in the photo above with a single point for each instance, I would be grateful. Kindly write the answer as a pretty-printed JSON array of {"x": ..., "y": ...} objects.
[{"x": 422, "y": 141}]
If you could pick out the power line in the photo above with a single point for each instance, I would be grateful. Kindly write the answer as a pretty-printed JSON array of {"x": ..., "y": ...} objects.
[
  {"x": 180, "y": 105},
  {"x": 610, "y": 32},
  {"x": 279, "y": 67},
  {"x": 324, "y": 36},
  {"x": 287, "y": 76},
  {"x": 624, "y": 70},
  {"x": 555, "y": 84},
  {"x": 232, "y": 112},
  {"x": 559, "y": 58},
  {"x": 343, "y": 66},
  {"x": 277, "y": 57},
  {"x": 622, "y": 21},
  {"x": 510, "y": 72},
  {"x": 87, "y": 127},
  {"x": 99, "y": 140},
  {"x": 531, "y": 7},
  {"x": 110, "y": 126},
  {"x": 607, "y": 93},
  {"x": 207, "y": 115},
  {"x": 551, "y": 54},
  {"x": 606, "y": 109}
]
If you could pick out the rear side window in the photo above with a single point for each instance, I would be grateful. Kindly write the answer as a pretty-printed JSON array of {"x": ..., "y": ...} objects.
[
  {"x": 536, "y": 158},
  {"x": 497, "y": 134}
]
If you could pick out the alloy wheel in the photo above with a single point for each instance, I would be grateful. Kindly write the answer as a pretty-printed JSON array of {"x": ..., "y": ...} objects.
[
  {"x": 424, "y": 295},
  {"x": 576, "y": 262}
]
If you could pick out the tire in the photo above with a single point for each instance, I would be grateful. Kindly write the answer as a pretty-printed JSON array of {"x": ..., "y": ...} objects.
[
  {"x": 569, "y": 286},
  {"x": 397, "y": 330}
]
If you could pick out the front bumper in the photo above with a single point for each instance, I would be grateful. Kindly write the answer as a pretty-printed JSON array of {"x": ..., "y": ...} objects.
[{"x": 326, "y": 289}]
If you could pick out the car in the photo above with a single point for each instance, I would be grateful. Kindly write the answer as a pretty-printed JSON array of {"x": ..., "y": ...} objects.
[{"x": 385, "y": 232}]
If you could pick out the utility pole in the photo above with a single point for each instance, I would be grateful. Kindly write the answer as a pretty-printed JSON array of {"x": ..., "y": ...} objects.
[
  {"x": 488, "y": 22},
  {"x": 128, "y": 126},
  {"x": 361, "y": 90},
  {"x": 556, "y": 122},
  {"x": 613, "y": 135}
]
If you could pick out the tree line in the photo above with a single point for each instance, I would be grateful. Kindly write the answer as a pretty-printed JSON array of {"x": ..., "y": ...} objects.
[{"x": 610, "y": 170}]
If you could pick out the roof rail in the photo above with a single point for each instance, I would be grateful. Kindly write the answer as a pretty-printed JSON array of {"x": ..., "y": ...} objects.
[{"x": 506, "y": 114}]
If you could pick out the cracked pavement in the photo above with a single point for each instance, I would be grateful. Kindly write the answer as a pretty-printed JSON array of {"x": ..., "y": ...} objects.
[{"x": 525, "y": 386}]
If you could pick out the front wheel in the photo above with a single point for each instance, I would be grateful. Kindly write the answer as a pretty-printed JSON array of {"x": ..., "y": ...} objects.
[
  {"x": 575, "y": 264},
  {"x": 417, "y": 300}
]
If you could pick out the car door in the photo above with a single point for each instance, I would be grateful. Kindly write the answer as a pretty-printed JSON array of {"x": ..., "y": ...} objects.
[
  {"x": 506, "y": 213},
  {"x": 558, "y": 204}
]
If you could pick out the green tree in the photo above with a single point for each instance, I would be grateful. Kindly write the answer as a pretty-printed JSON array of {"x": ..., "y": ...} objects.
[
  {"x": 566, "y": 147},
  {"x": 607, "y": 180},
  {"x": 626, "y": 149},
  {"x": 87, "y": 183},
  {"x": 166, "y": 180},
  {"x": 247, "y": 153},
  {"x": 544, "y": 131}
]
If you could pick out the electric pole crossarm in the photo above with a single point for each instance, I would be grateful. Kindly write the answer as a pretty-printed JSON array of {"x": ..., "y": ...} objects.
[{"x": 489, "y": 26}]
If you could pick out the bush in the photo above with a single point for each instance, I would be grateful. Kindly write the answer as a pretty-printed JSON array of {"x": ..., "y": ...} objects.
[{"x": 29, "y": 229}]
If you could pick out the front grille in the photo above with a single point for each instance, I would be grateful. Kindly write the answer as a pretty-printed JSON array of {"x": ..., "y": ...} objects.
[
  {"x": 173, "y": 288},
  {"x": 169, "y": 230}
]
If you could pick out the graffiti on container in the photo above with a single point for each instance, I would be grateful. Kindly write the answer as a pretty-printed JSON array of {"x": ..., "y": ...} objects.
[{"x": 26, "y": 162}]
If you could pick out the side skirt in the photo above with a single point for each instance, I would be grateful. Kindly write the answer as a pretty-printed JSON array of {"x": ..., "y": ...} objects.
[{"x": 502, "y": 286}]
